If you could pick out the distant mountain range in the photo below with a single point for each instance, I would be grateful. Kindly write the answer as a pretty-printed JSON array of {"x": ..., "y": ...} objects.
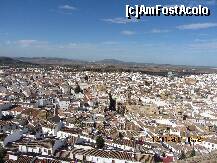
[
  {"x": 8, "y": 60},
  {"x": 64, "y": 61},
  {"x": 107, "y": 65},
  {"x": 110, "y": 61},
  {"x": 46, "y": 60},
  {"x": 54, "y": 61}
]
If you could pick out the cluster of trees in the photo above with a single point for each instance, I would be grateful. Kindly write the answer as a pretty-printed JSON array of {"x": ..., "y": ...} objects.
[
  {"x": 121, "y": 109},
  {"x": 78, "y": 89},
  {"x": 184, "y": 156},
  {"x": 100, "y": 142},
  {"x": 112, "y": 105}
]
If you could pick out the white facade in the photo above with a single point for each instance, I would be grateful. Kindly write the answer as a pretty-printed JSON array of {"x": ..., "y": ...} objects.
[
  {"x": 48, "y": 131},
  {"x": 35, "y": 149},
  {"x": 64, "y": 104},
  {"x": 209, "y": 145}
]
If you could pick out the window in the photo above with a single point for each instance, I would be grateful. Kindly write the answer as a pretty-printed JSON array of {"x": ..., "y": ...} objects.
[
  {"x": 49, "y": 152},
  {"x": 45, "y": 150}
]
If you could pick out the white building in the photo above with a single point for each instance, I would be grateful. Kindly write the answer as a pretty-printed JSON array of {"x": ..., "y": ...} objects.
[{"x": 210, "y": 144}]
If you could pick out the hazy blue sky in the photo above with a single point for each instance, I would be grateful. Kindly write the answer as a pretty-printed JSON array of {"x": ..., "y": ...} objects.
[{"x": 98, "y": 29}]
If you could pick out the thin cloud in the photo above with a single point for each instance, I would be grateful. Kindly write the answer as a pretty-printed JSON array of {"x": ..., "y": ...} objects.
[
  {"x": 196, "y": 26},
  {"x": 205, "y": 40},
  {"x": 67, "y": 7},
  {"x": 120, "y": 20},
  {"x": 159, "y": 31},
  {"x": 26, "y": 43},
  {"x": 30, "y": 43},
  {"x": 110, "y": 43},
  {"x": 204, "y": 45},
  {"x": 199, "y": 40},
  {"x": 127, "y": 32},
  {"x": 75, "y": 45},
  {"x": 8, "y": 42}
]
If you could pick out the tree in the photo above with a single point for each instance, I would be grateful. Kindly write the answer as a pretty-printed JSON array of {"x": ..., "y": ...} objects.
[
  {"x": 112, "y": 105},
  {"x": 100, "y": 142},
  {"x": 86, "y": 78},
  {"x": 121, "y": 136},
  {"x": 193, "y": 153},
  {"x": 157, "y": 158},
  {"x": 163, "y": 154},
  {"x": 185, "y": 117},
  {"x": 78, "y": 89},
  {"x": 121, "y": 109},
  {"x": 94, "y": 124},
  {"x": 182, "y": 156},
  {"x": 18, "y": 116},
  {"x": 23, "y": 122},
  {"x": 2, "y": 154}
]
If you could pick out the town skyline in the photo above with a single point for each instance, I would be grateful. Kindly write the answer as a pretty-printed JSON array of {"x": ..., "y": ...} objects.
[{"x": 99, "y": 30}]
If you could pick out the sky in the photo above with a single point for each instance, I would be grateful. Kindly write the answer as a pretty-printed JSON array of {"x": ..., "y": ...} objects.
[{"x": 97, "y": 29}]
